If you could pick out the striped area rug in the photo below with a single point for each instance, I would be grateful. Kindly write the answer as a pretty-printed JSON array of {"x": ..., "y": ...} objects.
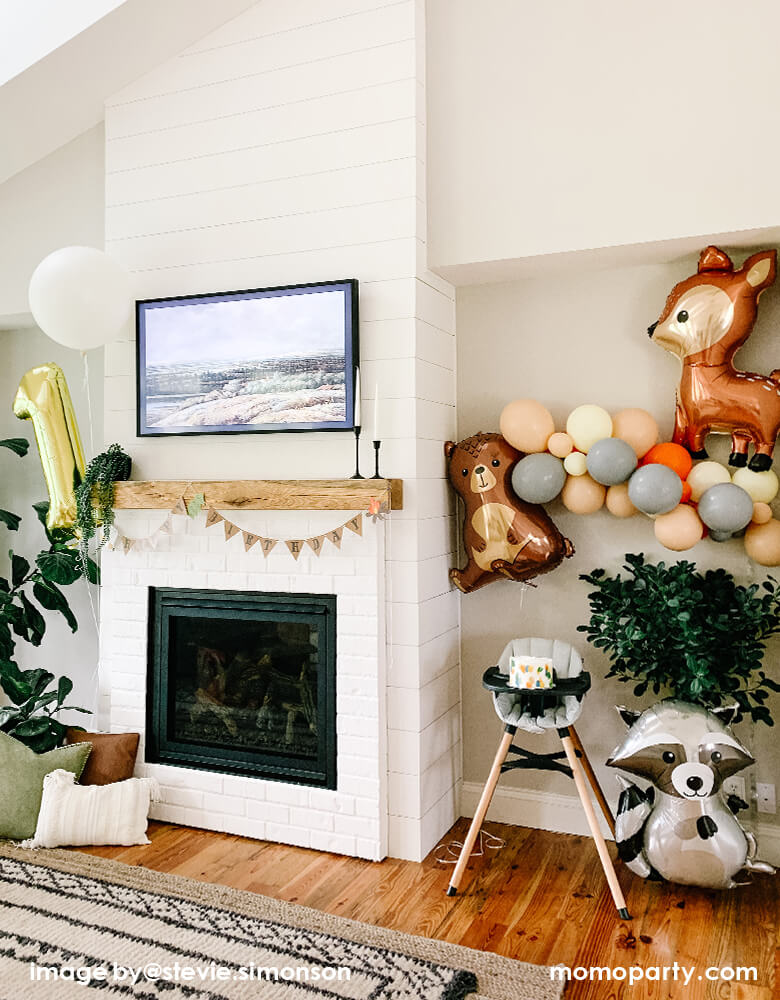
[{"x": 70, "y": 922}]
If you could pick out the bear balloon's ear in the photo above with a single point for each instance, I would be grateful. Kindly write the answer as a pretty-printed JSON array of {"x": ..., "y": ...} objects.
[
  {"x": 725, "y": 714},
  {"x": 449, "y": 447},
  {"x": 628, "y": 715}
]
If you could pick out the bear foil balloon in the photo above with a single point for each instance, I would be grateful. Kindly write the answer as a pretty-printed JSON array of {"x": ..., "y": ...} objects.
[
  {"x": 504, "y": 537},
  {"x": 682, "y": 828},
  {"x": 706, "y": 319}
]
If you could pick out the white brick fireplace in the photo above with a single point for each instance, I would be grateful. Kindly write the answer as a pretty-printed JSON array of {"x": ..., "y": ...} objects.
[{"x": 353, "y": 818}]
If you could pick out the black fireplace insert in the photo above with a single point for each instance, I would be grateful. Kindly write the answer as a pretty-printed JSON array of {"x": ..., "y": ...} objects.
[{"x": 243, "y": 683}]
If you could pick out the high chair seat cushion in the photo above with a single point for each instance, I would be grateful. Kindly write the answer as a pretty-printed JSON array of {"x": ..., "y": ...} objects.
[{"x": 512, "y": 708}]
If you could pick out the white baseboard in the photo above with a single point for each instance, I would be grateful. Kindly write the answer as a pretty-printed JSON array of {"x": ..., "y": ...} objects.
[{"x": 563, "y": 814}]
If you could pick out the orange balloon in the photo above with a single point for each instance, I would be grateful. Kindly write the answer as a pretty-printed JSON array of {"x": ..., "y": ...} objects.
[
  {"x": 560, "y": 444},
  {"x": 686, "y": 493},
  {"x": 680, "y": 529},
  {"x": 526, "y": 425},
  {"x": 762, "y": 543},
  {"x": 674, "y": 456},
  {"x": 618, "y": 503},
  {"x": 583, "y": 495},
  {"x": 762, "y": 513},
  {"x": 637, "y": 428}
]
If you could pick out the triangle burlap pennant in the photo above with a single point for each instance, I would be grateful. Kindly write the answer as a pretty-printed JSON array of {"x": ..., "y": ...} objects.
[
  {"x": 167, "y": 524},
  {"x": 355, "y": 524},
  {"x": 315, "y": 544},
  {"x": 180, "y": 507},
  {"x": 267, "y": 544},
  {"x": 250, "y": 539},
  {"x": 295, "y": 545},
  {"x": 335, "y": 536},
  {"x": 127, "y": 544},
  {"x": 213, "y": 517},
  {"x": 230, "y": 529}
]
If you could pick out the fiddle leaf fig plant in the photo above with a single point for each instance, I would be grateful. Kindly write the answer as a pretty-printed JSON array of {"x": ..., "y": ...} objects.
[
  {"x": 29, "y": 588},
  {"x": 698, "y": 637}
]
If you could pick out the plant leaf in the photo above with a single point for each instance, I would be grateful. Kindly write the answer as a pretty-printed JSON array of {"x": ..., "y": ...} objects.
[
  {"x": 64, "y": 688},
  {"x": 11, "y": 521},
  {"x": 20, "y": 446},
  {"x": 52, "y": 598},
  {"x": 19, "y": 569},
  {"x": 34, "y": 620},
  {"x": 59, "y": 566}
]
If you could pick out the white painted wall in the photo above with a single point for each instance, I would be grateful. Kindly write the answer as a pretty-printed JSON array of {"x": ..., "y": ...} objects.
[
  {"x": 565, "y": 340},
  {"x": 22, "y": 484},
  {"x": 56, "y": 202},
  {"x": 286, "y": 147},
  {"x": 559, "y": 127}
]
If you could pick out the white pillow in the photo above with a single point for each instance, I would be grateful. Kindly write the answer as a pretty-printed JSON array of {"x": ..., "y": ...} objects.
[{"x": 75, "y": 815}]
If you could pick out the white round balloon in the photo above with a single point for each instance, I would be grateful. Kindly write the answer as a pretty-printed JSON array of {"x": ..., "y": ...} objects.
[{"x": 80, "y": 297}]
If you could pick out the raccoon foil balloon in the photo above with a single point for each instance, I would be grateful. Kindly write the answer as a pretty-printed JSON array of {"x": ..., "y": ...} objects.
[{"x": 682, "y": 828}]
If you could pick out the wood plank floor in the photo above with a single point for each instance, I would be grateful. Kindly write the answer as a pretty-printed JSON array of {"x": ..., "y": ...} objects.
[{"x": 541, "y": 898}]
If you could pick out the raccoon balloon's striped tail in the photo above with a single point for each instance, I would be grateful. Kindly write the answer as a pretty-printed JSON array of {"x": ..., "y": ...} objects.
[{"x": 634, "y": 806}]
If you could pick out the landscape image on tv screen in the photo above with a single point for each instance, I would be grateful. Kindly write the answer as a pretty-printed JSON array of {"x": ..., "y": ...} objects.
[{"x": 272, "y": 359}]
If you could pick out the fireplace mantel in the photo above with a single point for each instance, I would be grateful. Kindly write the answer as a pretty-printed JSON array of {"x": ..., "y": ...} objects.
[{"x": 262, "y": 494}]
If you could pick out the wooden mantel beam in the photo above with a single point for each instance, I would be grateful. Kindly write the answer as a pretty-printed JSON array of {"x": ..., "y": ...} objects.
[{"x": 262, "y": 494}]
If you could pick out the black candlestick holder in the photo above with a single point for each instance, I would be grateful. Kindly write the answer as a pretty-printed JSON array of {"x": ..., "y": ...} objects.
[
  {"x": 357, "y": 454},
  {"x": 377, "y": 446}
]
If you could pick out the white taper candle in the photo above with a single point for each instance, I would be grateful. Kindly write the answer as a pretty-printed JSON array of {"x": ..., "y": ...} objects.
[
  {"x": 357, "y": 397},
  {"x": 377, "y": 436}
]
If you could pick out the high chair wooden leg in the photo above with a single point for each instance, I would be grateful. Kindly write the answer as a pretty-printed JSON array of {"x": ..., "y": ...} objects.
[
  {"x": 482, "y": 808},
  {"x": 578, "y": 773},
  {"x": 594, "y": 781}
]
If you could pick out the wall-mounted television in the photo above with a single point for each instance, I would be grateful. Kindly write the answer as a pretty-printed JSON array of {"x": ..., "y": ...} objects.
[{"x": 258, "y": 361}]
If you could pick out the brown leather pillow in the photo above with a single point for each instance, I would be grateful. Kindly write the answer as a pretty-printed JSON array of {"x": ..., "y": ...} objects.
[{"x": 112, "y": 758}]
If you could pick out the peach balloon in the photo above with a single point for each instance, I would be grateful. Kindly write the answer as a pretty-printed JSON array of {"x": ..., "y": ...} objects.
[
  {"x": 680, "y": 529},
  {"x": 618, "y": 502},
  {"x": 526, "y": 425},
  {"x": 576, "y": 464},
  {"x": 762, "y": 513},
  {"x": 560, "y": 444},
  {"x": 583, "y": 495},
  {"x": 762, "y": 543},
  {"x": 636, "y": 427}
]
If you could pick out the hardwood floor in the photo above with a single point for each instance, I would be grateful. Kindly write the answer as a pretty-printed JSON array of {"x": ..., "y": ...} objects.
[{"x": 542, "y": 898}]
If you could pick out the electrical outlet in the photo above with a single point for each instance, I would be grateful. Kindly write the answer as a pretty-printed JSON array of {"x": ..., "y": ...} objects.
[
  {"x": 735, "y": 785},
  {"x": 765, "y": 795}
]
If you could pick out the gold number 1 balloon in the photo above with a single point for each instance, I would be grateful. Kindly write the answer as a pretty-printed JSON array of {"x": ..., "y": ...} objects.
[{"x": 43, "y": 398}]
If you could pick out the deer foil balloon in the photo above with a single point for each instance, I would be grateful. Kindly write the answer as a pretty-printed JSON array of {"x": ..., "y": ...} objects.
[{"x": 706, "y": 319}]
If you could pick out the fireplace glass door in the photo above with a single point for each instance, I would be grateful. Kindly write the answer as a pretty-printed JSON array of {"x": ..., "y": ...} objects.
[{"x": 243, "y": 683}]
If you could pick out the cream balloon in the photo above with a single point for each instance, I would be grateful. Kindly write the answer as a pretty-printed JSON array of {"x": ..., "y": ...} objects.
[
  {"x": 583, "y": 495},
  {"x": 618, "y": 502},
  {"x": 637, "y": 428},
  {"x": 680, "y": 529},
  {"x": 80, "y": 297},
  {"x": 704, "y": 475},
  {"x": 560, "y": 444},
  {"x": 587, "y": 425},
  {"x": 576, "y": 464},
  {"x": 762, "y": 543},
  {"x": 526, "y": 425},
  {"x": 762, "y": 513},
  {"x": 761, "y": 487}
]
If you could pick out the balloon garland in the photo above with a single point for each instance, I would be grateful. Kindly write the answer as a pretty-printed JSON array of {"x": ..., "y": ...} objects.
[{"x": 618, "y": 463}]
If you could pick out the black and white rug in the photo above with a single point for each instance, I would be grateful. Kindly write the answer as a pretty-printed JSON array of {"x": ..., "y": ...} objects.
[{"x": 71, "y": 923}]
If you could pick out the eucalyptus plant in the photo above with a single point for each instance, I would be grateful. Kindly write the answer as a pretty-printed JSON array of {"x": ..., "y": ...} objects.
[
  {"x": 28, "y": 589},
  {"x": 698, "y": 637}
]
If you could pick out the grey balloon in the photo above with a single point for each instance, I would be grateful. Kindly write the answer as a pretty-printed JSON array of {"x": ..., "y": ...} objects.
[
  {"x": 655, "y": 489},
  {"x": 611, "y": 461},
  {"x": 538, "y": 478},
  {"x": 720, "y": 536},
  {"x": 725, "y": 507}
]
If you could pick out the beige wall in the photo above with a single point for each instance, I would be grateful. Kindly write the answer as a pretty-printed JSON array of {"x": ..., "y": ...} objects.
[
  {"x": 569, "y": 125},
  {"x": 565, "y": 340}
]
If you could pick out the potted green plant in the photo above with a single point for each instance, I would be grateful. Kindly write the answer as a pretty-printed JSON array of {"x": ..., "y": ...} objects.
[
  {"x": 24, "y": 595},
  {"x": 697, "y": 637},
  {"x": 95, "y": 495}
]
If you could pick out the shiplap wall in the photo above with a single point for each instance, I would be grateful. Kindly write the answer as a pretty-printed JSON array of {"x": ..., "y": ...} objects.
[{"x": 289, "y": 146}]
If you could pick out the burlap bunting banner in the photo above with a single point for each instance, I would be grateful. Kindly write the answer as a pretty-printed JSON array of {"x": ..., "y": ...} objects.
[{"x": 295, "y": 546}]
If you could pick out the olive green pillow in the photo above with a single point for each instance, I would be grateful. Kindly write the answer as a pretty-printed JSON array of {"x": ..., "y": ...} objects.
[{"x": 21, "y": 781}]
